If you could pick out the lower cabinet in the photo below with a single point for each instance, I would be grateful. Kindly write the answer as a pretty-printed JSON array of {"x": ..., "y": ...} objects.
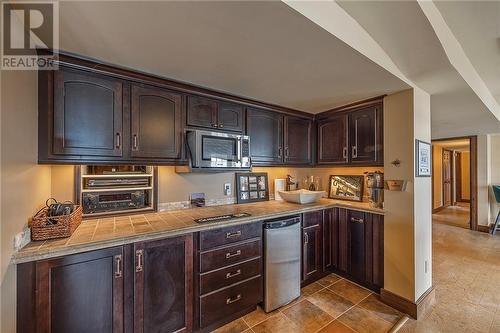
[
  {"x": 228, "y": 274},
  {"x": 312, "y": 246},
  {"x": 109, "y": 291}
]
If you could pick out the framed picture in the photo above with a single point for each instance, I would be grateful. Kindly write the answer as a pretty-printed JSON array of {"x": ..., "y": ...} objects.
[
  {"x": 423, "y": 159},
  {"x": 252, "y": 187},
  {"x": 346, "y": 187}
]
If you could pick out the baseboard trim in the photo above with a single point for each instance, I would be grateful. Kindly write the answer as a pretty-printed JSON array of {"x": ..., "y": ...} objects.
[
  {"x": 413, "y": 309},
  {"x": 438, "y": 209},
  {"x": 483, "y": 228}
]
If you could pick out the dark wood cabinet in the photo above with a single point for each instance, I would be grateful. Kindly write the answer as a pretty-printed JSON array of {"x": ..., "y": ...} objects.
[
  {"x": 87, "y": 114},
  {"x": 353, "y": 137},
  {"x": 356, "y": 245},
  {"x": 156, "y": 123},
  {"x": 298, "y": 141},
  {"x": 209, "y": 113},
  {"x": 332, "y": 140},
  {"x": 365, "y": 137},
  {"x": 81, "y": 293},
  {"x": 266, "y": 137},
  {"x": 312, "y": 246},
  {"x": 163, "y": 285},
  {"x": 330, "y": 230}
]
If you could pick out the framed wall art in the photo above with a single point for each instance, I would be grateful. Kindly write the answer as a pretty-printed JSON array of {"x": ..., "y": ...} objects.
[
  {"x": 423, "y": 159},
  {"x": 252, "y": 187}
]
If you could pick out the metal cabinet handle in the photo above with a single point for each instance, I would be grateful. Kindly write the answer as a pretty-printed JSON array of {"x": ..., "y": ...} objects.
[
  {"x": 344, "y": 152},
  {"x": 233, "y": 274},
  {"x": 280, "y": 152},
  {"x": 139, "y": 254},
  {"x": 118, "y": 140},
  {"x": 232, "y": 300},
  {"x": 233, "y": 234},
  {"x": 354, "y": 151},
  {"x": 235, "y": 254},
  {"x": 306, "y": 238},
  {"x": 221, "y": 126},
  {"x": 286, "y": 151},
  {"x": 118, "y": 266},
  {"x": 135, "y": 141},
  {"x": 353, "y": 219},
  {"x": 214, "y": 125}
]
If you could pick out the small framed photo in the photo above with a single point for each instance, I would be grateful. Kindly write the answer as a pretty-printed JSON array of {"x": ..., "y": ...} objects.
[
  {"x": 252, "y": 187},
  {"x": 423, "y": 159}
]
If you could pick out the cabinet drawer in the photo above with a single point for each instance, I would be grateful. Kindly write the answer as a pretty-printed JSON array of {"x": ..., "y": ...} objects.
[
  {"x": 229, "y": 255},
  {"x": 213, "y": 238},
  {"x": 229, "y": 275},
  {"x": 228, "y": 301}
]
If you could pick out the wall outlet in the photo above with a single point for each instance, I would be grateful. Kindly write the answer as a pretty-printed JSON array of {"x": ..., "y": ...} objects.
[{"x": 227, "y": 189}]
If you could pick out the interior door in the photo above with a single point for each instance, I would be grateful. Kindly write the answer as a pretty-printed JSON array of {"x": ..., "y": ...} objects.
[
  {"x": 163, "y": 285},
  {"x": 447, "y": 177},
  {"x": 87, "y": 114},
  {"x": 156, "y": 123},
  {"x": 81, "y": 293}
]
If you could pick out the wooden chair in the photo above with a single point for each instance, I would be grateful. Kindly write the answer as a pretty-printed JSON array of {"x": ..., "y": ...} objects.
[{"x": 496, "y": 190}]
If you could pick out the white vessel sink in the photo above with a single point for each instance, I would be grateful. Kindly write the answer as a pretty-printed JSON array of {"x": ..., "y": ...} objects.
[{"x": 301, "y": 196}]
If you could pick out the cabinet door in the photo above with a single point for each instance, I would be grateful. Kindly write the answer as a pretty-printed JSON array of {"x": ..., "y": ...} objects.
[
  {"x": 201, "y": 112},
  {"x": 365, "y": 135},
  {"x": 312, "y": 234},
  {"x": 298, "y": 147},
  {"x": 343, "y": 240},
  {"x": 330, "y": 243},
  {"x": 374, "y": 244},
  {"x": 81, "y": 293},
  {"x": 266, "y": 137},
  {"x": 230, "y": 117},
  {"x": 87, "y": 114},
  {"x": 156, "y": 123},
  {"x": 163, "y": 285},
  {"x": 332, "y": 140},
  {"x": 357, "y": 246}
]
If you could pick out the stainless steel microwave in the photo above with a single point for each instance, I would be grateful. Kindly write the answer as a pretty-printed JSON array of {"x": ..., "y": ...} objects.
[{"x": 213, "y": 150}]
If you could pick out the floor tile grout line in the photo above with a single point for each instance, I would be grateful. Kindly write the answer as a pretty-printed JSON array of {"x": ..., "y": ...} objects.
[{"x": 328, "y": 323}]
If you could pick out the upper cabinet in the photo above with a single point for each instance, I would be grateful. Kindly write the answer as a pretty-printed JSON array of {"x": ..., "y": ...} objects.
[
  {"x": 156, "y": 123},
  {"x": 277, "y": 139},
  {"x": 298, "y": 144},
  {"x": 209, "y": 113},
  {"x": 87, "y": 114},
  {"x": 352, "y": 137}
]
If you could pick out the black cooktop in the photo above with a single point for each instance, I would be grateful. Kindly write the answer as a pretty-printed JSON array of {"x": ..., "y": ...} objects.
[{"x": 221, "y": 218}]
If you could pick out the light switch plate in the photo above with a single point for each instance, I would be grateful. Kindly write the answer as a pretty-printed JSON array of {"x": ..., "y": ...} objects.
[{"x": 227, "y": 189}]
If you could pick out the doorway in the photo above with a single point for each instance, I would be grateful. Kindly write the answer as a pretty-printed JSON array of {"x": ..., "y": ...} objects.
[{"x": 454, "y": 182}]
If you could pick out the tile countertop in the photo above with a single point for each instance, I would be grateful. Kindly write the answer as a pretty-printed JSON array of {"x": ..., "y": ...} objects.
[{"x": 114, "y": 231}]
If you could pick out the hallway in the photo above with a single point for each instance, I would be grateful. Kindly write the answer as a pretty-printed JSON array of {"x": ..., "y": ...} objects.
[
  {"x": 466, "y": 276},
  {"x": 457, "y": 216}
]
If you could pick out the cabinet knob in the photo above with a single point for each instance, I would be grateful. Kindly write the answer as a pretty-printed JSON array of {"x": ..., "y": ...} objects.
[
  {"x": 214, "y": 125},
  {"x": 221, "y": 126}
]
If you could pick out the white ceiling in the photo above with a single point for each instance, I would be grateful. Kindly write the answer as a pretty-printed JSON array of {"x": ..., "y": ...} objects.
[
  {"x": 410, "y": 41},
  {"x": 261, "y": 50}
]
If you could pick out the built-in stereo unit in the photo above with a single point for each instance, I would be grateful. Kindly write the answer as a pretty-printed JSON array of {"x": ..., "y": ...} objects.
[{"x": 107, "y": 190}]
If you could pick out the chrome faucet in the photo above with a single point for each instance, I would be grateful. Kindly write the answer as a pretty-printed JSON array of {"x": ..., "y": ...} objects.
[{"x": 289, "y": 183}]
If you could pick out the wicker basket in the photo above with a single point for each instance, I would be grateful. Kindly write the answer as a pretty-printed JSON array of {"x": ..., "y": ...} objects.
[{"x": 65, "y": 225}]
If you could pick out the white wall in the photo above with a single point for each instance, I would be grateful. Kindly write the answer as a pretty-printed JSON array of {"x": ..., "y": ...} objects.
[
  {"x": 483, "y": 179},
  {"x": 494, "y": 174}
]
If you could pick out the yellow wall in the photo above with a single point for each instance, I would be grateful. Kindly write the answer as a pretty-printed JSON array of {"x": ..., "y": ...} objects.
[
  {"x": 437, "y": 161},
  {"x": 465, "y": 175},
  {"x": 25, "y": 185}
]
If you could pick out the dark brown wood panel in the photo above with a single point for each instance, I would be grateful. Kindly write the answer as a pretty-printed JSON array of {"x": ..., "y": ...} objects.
[
  {"x": 328, "y": 239},
  {"x": 357, "y": 245},
  {"x": 266, "y": 137},
  {"x": 201, "y": 112},
  {"x": 156, "y": 123},
  {"x": 231, "y": 117},
  {"x": 343, "y": 240},
  {"x": 229, "y": 255},
  {"x": 377, "y": 250},
  {"x": 225, "y": 276},
  {"x": 228, "y": 235},
  {"x": 223, "y": 303},
  {"x": 298, "y": 141},
  {"x": 26, "y": 298},
  {"x": 312, "y": 247},
  {"x": 81, "y": 293},
  {"x": 163, "y": 285},
  {"x": 87, "y": 118},
  {"x": 332, "y": 140},
  {"x": 363, "y": 135}
]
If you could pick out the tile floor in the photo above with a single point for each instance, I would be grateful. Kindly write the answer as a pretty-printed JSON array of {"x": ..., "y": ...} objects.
[
  {"x": 330, "y": 305},
  {"x": 466, "y": 276},
  {"x": 458, "y": 215}
]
